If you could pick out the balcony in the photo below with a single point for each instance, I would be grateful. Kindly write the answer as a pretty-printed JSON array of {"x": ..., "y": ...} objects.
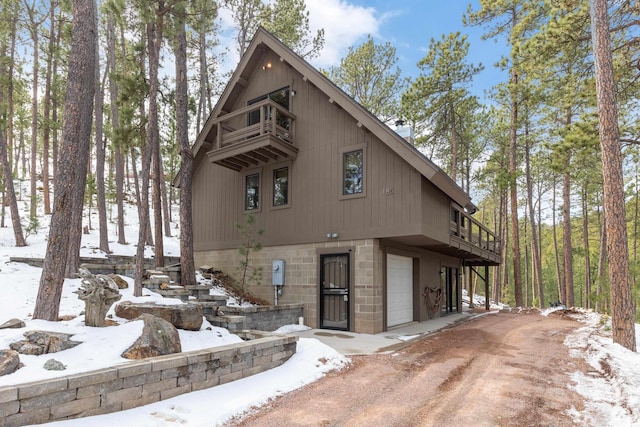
[
  {"x": 259, "y": 134},
  {"x": 472, "y": 241}
]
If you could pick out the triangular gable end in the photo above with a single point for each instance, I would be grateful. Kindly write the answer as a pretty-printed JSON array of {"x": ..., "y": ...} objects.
[{"x": 264, "y": 40}]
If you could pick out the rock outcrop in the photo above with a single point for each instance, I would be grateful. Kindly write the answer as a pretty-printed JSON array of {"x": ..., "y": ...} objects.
[
  {"x": 54, "y": 365},
  {"x": 120, "y": 282},
  {"x": 158, "y": 338},
  {"x": 13, "y": 324},
  {"x": 43, "y": 342},
  {"x": 186, "y": 316},
  {"x": 9, "y": 361}
]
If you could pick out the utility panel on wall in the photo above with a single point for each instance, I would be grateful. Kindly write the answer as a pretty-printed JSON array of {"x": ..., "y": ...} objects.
[{"x": 277, "y": 278}]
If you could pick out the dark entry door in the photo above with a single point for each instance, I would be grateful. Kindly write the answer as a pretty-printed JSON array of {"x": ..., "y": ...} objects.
[
  {"x": 334, "y": 291},
  {"x": 450, "y": 279}
]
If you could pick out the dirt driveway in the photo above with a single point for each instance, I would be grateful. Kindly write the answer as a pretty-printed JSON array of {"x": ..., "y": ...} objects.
[{"x": 499, "y": 370}]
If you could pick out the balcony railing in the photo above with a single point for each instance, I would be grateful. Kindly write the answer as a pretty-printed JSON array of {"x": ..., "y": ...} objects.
[
  {"x": 466, "y": 228},
  {"x": 273, "y": 120}
]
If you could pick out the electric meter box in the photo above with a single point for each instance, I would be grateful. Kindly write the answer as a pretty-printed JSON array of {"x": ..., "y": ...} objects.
[{"x": 277, "y": 271}]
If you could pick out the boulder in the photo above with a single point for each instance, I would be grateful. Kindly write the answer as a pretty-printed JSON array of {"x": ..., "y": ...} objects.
[
  {"x": 98, "y": 292},
  {"x": 158, "y": 338},
  {"x": 119, "y": 281},
  {"x": 186, "y": 316},
  {"x": 9, "y": 361},
  {"x": 43, "y": 342},
  {"x": 54, "y": 365},
  {"x": 13, "y": 324}
]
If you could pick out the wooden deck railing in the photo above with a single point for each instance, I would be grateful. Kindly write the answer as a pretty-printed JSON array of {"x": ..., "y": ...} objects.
[
  {"x": 465, "y": 227},
  {"x": 274, "y": 120}
]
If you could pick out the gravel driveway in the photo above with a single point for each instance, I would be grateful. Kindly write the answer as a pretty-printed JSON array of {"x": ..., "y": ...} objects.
[{"x": 505, "y": 369}]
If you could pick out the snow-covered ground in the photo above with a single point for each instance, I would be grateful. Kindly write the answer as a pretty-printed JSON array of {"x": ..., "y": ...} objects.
[
  {"x": 612, "y": 390},
  {"x": 19, "y": 287},
  {"x": 612, "y": 387}
]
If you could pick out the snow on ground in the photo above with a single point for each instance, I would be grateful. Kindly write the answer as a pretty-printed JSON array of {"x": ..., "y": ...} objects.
[
  {"x": 611, "y": 390},
  {"x": 19, "y": 286},
  {"x": 479, "y": 301}
]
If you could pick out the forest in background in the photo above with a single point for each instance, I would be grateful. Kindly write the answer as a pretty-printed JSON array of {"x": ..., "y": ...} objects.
[{"x": 529, "y": 153}]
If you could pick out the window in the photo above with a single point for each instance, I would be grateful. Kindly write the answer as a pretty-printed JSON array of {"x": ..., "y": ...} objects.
[
  {"x": 353, "y": 172},
  {"x": 252, "y": 192},
  {"x": 281, "y": 186},
  {"x": 280, "y": 97}
]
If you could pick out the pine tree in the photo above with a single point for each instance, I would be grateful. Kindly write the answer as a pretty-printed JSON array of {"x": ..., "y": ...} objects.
[
  {"x": 369, "y": 74},
  {"x": 622, "y": 304},
  {"x": 76, "y": 140},
  {"x": 439, "y": 97}
]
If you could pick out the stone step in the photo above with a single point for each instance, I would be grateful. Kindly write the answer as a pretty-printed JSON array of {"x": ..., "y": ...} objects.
[
  {"x": 155, "y": 272},
  {"x": 232, "y": 323},
  {"x": 197, "y": 287},
  {"x": 198, "y": 291},
  {"x": 217, "y": 299},
  {"x": 210, "y": 307},
  {"x": 183, "y": 294}
]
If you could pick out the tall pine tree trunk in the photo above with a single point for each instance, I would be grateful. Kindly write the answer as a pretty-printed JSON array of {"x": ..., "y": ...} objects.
[
  {"x": 76, "y": 140},
  {"x": 55, "y": 103},
  {"x": 535, "y": 247},
  {"x": 11, "y": 194},
  {"x": 46, "y": 200},
  {"x": 154, "y": 38},
  {"x": 513, "y": 172},
  {"x": 622, "y": 304},
  {"x": 157, "y": 202},
  {"x": 100, "y": 156},
  {"x": 454, "y": 144},
  {"x": 587, "y": 250},
  {"x": 567, "y": 245},
  {"x": 166, "y": 202},
  {"x": 33, "y": 207},
  {"x": 601, "y": 301},
  {"x": 115, "y": 125},
  {"x": 560, "y": 281},
  {"x": 187, "y": 263}
]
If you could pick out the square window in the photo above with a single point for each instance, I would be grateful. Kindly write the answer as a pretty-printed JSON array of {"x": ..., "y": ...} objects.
[
  {"x": 281, "y": 186},
  {"x": 252, "y": 192},
  {"x": 353, "y": 172}
]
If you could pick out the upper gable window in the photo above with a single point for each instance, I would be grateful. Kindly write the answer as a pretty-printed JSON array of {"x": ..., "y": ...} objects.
[
  {"x": 353, "y": 172},
  {"x": 252, "y": 192}
]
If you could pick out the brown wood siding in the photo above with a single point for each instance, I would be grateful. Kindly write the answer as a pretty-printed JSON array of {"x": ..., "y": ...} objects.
[
  {"x": 323, "y": 131},
  {"x": 436, "y": 211}
]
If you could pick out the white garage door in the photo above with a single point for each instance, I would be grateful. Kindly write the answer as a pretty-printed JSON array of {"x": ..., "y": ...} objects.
[{"x": 399, "y": 290}]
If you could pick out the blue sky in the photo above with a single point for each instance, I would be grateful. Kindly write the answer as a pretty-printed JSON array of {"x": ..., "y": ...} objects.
[{"x": 409, "y": 26}]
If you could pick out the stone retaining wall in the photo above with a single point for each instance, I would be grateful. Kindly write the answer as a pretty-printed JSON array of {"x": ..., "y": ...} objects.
[
  {"x": 116, "y": 264},
  {"x": 142, "y": 382},
  {"x": 265, "y": 317}
]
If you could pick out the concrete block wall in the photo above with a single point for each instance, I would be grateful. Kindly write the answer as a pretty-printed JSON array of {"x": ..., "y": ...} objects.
[
  {"x": 142, "y": 382},
  {"x": 301, "y": 278},
  {"x": 369, "y": 288}
]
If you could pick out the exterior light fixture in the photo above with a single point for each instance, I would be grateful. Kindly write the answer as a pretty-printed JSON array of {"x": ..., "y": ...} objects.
[
  {"x": 332, "y": 235},
  {"x": 267, "y": 66}
]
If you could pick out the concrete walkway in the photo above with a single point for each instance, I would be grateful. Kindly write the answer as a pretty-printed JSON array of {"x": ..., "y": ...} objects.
[{"x": 351, "y": 343}]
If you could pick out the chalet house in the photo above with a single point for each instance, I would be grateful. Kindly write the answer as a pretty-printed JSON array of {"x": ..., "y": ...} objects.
[{"x": 358, "y": 225}]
